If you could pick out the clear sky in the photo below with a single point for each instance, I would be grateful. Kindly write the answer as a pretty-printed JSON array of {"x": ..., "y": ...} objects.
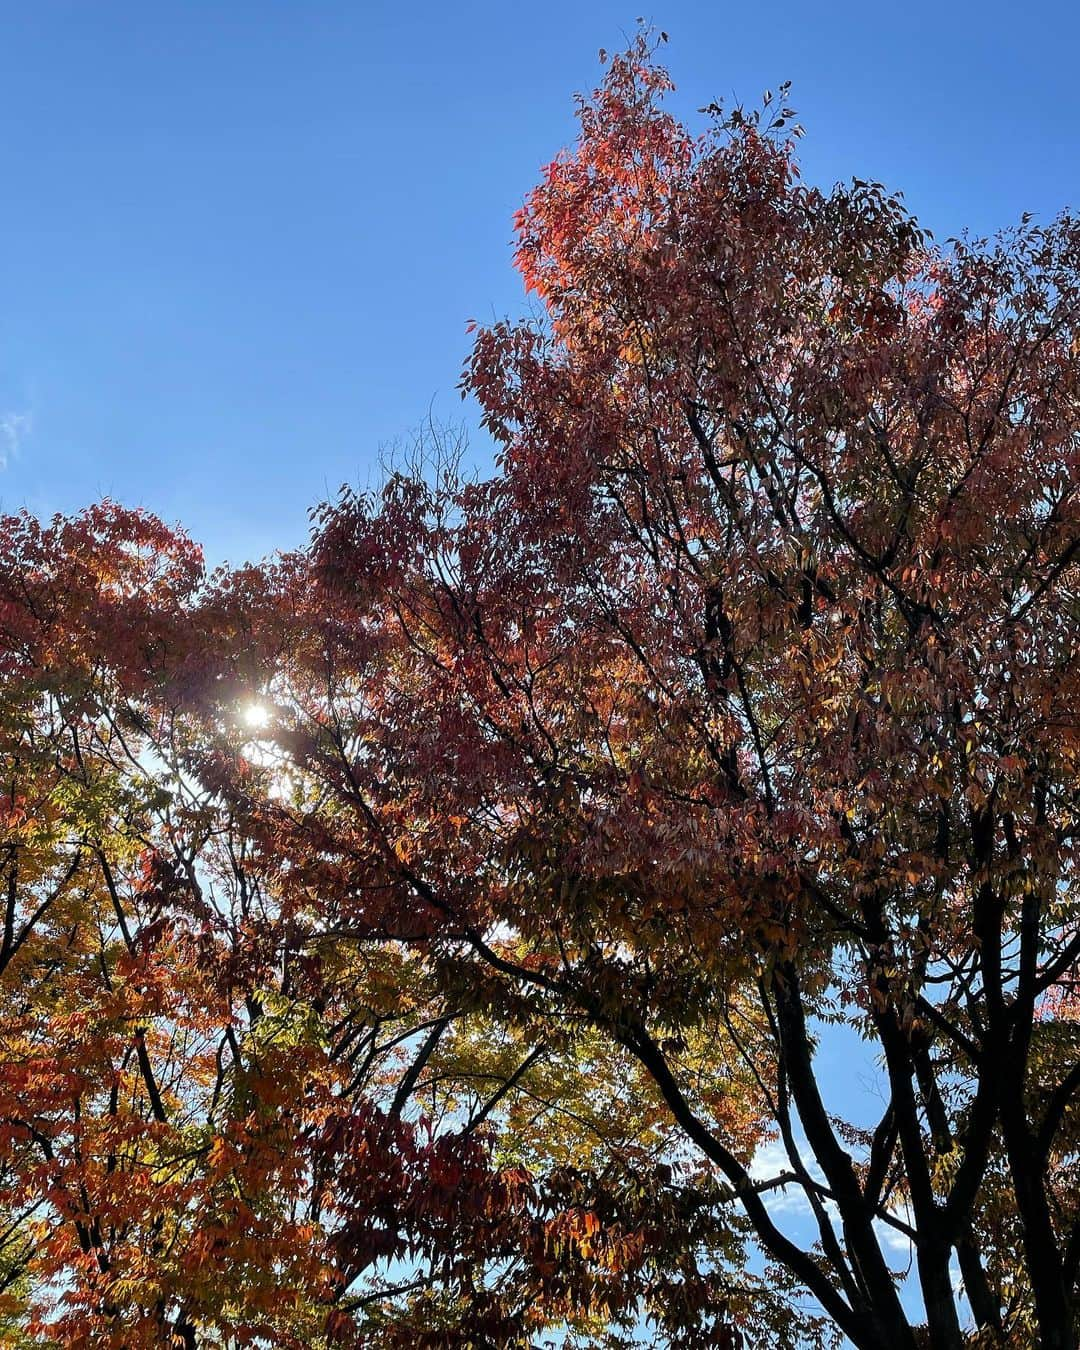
[{"x": 241, "y": 240}]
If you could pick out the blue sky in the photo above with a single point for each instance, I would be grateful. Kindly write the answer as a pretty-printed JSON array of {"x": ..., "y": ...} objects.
[{"x": 241, "y": 240}]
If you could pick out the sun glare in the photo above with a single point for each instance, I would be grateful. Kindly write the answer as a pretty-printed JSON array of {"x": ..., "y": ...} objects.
[{"x": 255, "y": 716}]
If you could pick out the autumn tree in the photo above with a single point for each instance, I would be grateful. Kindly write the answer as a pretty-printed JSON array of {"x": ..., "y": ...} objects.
[
  {"x": 736, "y": 713},
  {"x": 449, "y": 923},
  {"x": 202, "y": 1096}
]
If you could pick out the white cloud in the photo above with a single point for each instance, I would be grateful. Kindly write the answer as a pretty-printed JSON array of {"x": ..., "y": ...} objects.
[
  {"x": 771, "y": 1160},
  {"x": 893, "y": 1241}
]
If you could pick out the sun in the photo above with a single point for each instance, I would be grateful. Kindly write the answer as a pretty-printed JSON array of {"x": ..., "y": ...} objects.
[{"x": 255, "y": 716}]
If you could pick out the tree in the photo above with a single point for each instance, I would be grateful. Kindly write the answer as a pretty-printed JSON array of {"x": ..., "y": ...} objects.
[
  {"x": 179, "y": 1078},
  {"x": 586, "y": 806}
]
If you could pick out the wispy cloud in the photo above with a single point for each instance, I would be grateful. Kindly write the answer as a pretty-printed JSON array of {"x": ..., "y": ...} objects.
[{"x": 14, "y": 429}]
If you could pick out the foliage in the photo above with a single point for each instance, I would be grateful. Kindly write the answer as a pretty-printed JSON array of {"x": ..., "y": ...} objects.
[{"x": 465, "y": 1001}]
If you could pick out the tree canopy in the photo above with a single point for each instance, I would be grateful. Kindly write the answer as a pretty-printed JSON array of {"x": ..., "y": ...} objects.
[{"x": 435, "y": 936}]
